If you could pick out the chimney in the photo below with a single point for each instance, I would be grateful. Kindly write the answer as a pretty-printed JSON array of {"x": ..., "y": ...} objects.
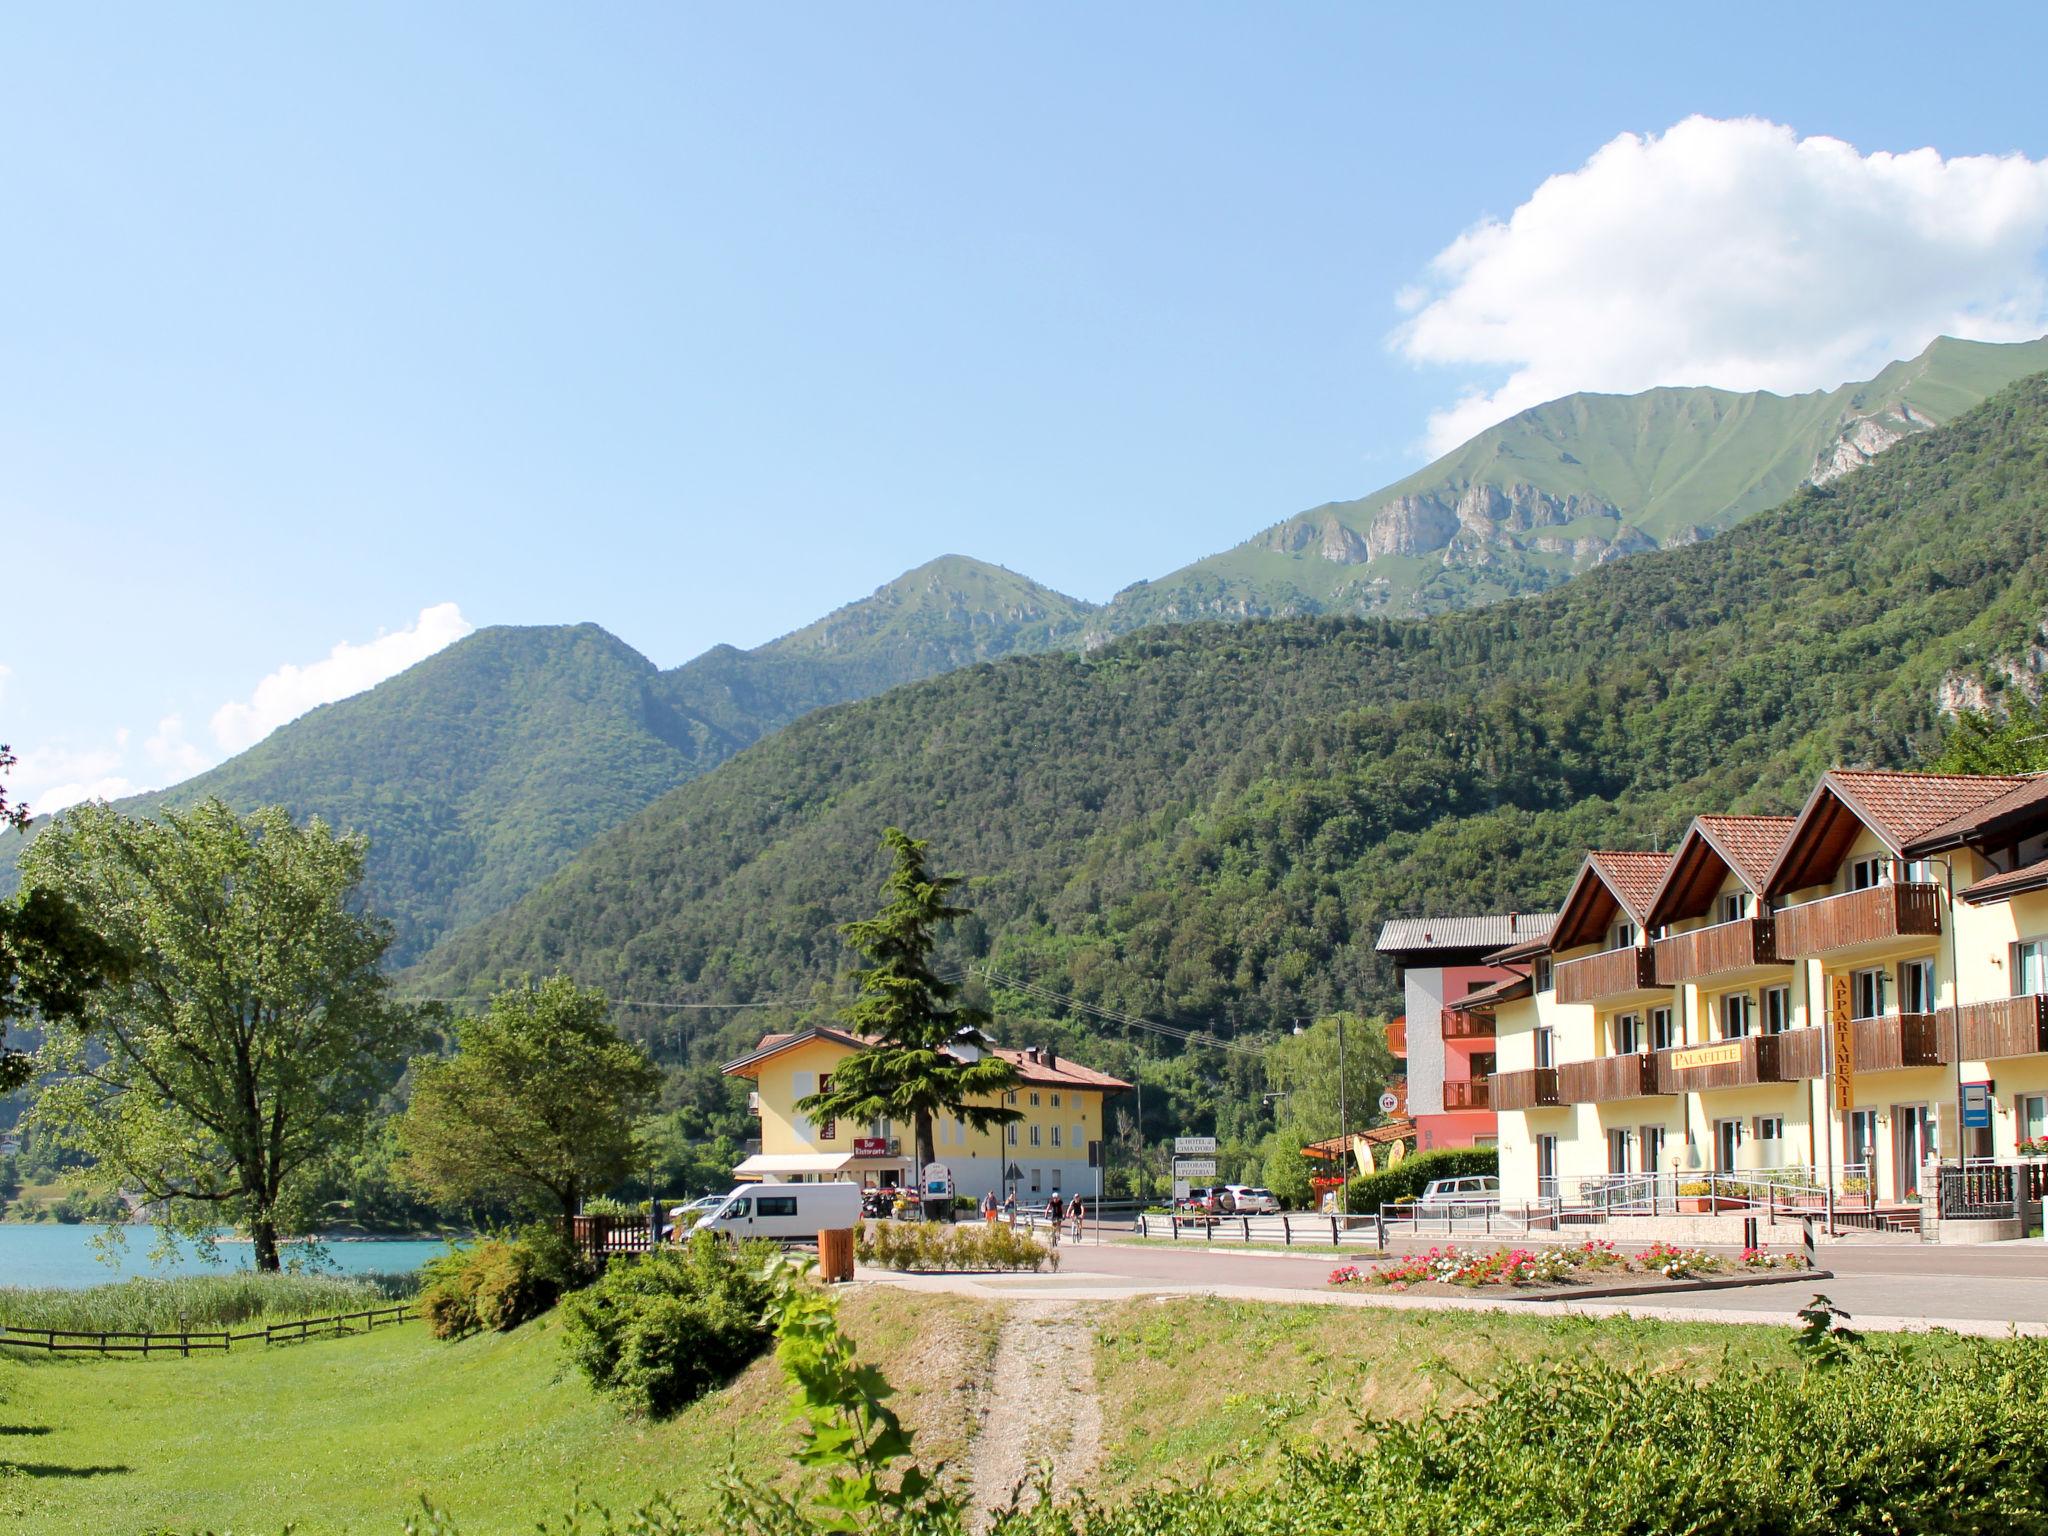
[
  {"x": 1031, "y": 1054},
  {"x": 1514, "y": 923},
  {"x": 1045, "y": 1055}
]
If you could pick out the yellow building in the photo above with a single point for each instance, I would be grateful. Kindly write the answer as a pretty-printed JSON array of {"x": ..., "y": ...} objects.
[
  {"x": 1842, "y": 996},
  {"x": 1055, "y": 1146}
]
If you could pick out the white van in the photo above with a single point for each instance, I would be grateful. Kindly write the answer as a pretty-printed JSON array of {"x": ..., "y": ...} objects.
[{"x": 788, "y": 1213}]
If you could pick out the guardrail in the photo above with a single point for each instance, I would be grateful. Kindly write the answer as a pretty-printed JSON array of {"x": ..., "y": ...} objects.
[{"x": 90, "y": 1342}]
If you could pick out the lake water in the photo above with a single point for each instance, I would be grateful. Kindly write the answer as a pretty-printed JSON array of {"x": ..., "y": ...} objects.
[{"x": 54, "y": 1254}]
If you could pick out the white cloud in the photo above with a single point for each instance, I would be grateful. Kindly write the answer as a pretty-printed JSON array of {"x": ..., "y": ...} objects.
[
  {"x": 51, "y": 778},
  {"x": 348, "y": 669},
  {"x": 54, "y": 775},
  {"x": 1732, "y": 253}
]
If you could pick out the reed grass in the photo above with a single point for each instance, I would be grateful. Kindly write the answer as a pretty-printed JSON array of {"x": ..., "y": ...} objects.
[{"x": 197, "y": 1303}]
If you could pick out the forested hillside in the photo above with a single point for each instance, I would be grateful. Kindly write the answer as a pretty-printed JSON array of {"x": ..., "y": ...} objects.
[
  {"x": 484, "y": 768},
  {"x": 1206, "y": 823}
]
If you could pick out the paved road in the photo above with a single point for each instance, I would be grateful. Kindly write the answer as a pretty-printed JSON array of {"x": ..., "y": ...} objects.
[{"x": 1929, "y": 1285}]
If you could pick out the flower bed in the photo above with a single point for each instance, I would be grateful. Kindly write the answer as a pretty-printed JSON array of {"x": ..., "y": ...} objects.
[{"x": 1472, "y": 1268}]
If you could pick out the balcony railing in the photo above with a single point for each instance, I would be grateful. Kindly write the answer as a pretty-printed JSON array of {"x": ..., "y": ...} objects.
[
  {"x": 1784, "y": 1058},
  {"x": 1535, "y": 1088},
  {"x": 1467, "y": 1026},
  {"x": 1606, "y": 1078},
  {"x": 2008, "y": 1026},
  {"x": 1467, "y": 1095},
  {"x": 1859, "y": 917},
  {"x": 1607, "y": 974},
  {"x": 1899, "y": 1040},
  {"x": 1735, "y": 946}
]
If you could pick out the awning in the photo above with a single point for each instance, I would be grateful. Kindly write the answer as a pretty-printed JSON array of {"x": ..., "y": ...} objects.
[{"x": 772, "y": 1164}]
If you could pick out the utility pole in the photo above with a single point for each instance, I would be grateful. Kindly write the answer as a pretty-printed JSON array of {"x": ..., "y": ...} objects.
[{"x": 1343, "y": 1115}]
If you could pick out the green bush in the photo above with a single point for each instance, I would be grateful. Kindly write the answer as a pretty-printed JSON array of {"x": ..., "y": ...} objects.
[
  {"x": 499, "y": 1283},
  {"x": 1407, "y": 1179},
  {"x": 924, "y": 1245},
  {"x": 658, "y": 1331}
]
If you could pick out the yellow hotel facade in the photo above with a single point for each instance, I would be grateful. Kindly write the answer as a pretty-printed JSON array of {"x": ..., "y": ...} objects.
[
  {"x": 1844, "y": 996},
  {"x": 1055, "y": 1146}
]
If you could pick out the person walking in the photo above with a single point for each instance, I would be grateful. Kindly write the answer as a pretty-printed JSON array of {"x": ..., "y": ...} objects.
[{"x": 1010, "y": 1208}]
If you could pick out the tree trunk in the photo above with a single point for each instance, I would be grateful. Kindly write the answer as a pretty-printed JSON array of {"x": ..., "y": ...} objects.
[
  {"x": 572, "y": 1202},
  {"x": 263, "y": 1231},
  {"x": 922, "y": 1120}
]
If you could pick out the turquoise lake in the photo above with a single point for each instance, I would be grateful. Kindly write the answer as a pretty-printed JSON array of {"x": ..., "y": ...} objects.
[{"x": 64, "y": 1256}]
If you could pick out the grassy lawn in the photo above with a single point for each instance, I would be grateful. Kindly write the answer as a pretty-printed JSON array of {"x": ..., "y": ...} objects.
[
  {"x": 344, "y": 1435},
  {"x": 1188, "y": 1383}
]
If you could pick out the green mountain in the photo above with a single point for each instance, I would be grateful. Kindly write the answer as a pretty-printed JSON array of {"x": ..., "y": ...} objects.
[
  {"x": 483, "y": 769},
  {"x": 1206, "y": 823},
  {"x": 1569, "y": 485}
]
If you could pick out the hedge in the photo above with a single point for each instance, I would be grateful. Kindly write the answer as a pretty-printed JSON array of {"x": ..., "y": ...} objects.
[{"x": 1407, "y": 1179}]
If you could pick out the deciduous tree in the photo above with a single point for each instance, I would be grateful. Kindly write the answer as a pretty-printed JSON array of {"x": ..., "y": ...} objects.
[
  {"x": 252, "y": 1029},
  {"x": 535, "y": 1107}
]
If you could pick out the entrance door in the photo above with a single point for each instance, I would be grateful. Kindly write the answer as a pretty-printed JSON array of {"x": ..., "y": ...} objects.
[
  {"x": 1546, "y": 1167},
  {"x": 1912, "y": 1145},
  {"x": 1727, "y": 1143},
  {"x": 1619, "y": 1144}
]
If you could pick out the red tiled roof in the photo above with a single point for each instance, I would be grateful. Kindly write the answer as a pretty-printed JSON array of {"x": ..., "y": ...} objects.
[
  {"x": 2015, "y": 804},
  {"x": 2027, "y": 877},
  {"x": 1898, "y": 807},
  {"x": 1749, "y": 843},
  {"x": 1632, "y": 875},
  {"x": 1062, "y": 1073},
  {"x": 1904, "y": 806},
  {"x": 1498, "y": 992}
]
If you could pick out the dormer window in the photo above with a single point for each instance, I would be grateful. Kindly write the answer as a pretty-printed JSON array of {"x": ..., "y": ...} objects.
[
  {"x": 1624, "y": 936},
  {"x": 1866, "y": 873},
  {"x": 1736, "y": 905}
]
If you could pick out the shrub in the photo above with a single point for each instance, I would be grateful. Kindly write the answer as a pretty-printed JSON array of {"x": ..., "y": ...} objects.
[
  {"x": 1407, "y": 1179},
  {"x": 658, "y": 1331},
  {"x": 500, "y": 1283},
  {"x": 924, "y": 1245},
  {"x": 618, "y": 1210}
]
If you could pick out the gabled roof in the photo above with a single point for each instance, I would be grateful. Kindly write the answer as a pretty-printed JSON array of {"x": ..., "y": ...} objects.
[
  {"x": 2028, "y": 877},
  {"x": 1055, "y": 1073},
  {"x": 1483, "y": 1000},
  {"x": 1488, "y": 931},
  {"x": 2017, "y": 813},
  {"x": 1611, "y": 879},
  {"x": 1898, "y": 807},
  {"x": 1712, "y": 848}
]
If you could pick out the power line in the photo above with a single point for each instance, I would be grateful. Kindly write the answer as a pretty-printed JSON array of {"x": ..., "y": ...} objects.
[
  {"x": 1116, "y": 1016},
  {"x": 627, "y": 1002}
]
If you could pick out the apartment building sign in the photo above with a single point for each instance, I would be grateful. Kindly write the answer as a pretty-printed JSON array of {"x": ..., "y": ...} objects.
[{"x": 1843, "y": 1043}]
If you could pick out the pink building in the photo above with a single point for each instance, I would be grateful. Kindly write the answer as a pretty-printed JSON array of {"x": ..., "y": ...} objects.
[{"x": 1450, "y": 1053}]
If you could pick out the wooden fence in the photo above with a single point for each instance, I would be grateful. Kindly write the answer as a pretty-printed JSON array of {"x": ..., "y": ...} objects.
[{"x": 76, "y": 1341}]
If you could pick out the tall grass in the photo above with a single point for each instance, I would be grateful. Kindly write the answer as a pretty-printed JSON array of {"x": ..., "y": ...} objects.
[{"x": 197, "y": 1303}]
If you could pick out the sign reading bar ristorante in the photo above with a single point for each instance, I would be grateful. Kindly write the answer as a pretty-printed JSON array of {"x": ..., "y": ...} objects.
[{"x": 1721, "y": 1055}]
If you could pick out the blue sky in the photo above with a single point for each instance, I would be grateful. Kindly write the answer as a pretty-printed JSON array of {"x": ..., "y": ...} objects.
[{"x": 697, "y": 323}]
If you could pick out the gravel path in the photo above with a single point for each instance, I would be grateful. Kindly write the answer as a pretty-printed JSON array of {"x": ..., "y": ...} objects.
[{"x": 1040, "y": 1407}]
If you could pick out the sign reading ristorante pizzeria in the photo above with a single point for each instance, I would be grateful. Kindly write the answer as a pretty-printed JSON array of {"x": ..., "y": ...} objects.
[{"x": 1719, "y": 1055}]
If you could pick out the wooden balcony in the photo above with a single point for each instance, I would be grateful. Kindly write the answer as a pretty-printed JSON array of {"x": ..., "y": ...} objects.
[
  {"x": 1607, "y": 974},
  {"x": 2009, "y": 1026},
  {"x": 1467, "y": 1026},
  {"x": 1736, "y": 946},
  {"x": 1859, "y": 917},
  {"x": 1532, "y": 1089},
  {"x": 1900, "y": 1040},
  {"x": 1604, "y": 1079},
  {"x": 1787, "y": 1058},
  {"x": 1467, "y": 1095}
]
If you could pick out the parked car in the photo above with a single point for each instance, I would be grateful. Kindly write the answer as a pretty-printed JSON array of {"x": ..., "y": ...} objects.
[
  {"x": 683, "y": 1219},
  {"x": 1201, "y": 1200},
  {"x": 789, "y": 1213},
  {"x": 1471, "y": 1195},
  {"x": 1251, "y": 1200}
]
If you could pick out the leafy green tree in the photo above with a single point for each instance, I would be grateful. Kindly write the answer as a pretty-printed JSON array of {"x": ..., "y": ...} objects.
[
  {"x": 2015, "y": 742},
  {"x": 536, "y": 1106},
  {"x": 1303, "y": 1072},
  {"x": 909, "y": 1072},
  {"x": 252, "y": 1031},
  {"x": 51, "y": 960}
]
